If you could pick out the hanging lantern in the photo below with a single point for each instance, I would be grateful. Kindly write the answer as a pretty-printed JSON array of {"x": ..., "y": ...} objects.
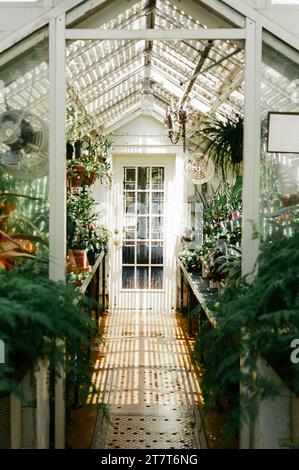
[{"x": 198, "y": 168}]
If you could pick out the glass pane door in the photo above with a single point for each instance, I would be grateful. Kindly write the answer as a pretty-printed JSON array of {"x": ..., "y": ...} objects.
[{"x": 143, "y": 227}]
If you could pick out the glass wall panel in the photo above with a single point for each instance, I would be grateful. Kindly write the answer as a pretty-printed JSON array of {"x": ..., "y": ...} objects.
[
  {"x": 24, "y": 153},
  {"x": 279, "y": 201}
]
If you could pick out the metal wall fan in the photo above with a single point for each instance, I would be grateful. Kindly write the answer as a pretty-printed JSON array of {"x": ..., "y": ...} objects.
[
  {"x": 24, "y": 137},
  {"x": 198, "y": 168}
]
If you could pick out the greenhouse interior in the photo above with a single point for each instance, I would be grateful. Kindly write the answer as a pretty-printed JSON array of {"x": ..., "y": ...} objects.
[{"x": 144, "y": 202}]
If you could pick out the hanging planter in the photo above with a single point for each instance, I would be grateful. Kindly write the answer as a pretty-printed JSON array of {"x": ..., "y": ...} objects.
[
  {"x": 75, "y": 175},
  {"x": 223, "y": 143}
]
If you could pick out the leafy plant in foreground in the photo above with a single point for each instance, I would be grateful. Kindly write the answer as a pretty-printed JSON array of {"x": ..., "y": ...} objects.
[{"x": 257, "y": 320}]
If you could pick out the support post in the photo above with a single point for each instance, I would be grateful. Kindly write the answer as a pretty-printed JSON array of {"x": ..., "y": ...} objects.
[
  {"x": 251, "y": 172},
  {"x": 57, "y": 185}
]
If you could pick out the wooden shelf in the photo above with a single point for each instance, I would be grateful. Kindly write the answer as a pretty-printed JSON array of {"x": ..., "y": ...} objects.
[{"x": 203, "y": 293}]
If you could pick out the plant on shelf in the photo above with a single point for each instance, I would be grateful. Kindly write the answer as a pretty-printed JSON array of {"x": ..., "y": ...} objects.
[
  {"x": 222, "y": 236},
  {"x": 85, "y": 238},
  {"x": 223, "y": 142},
  {"x": 254, "y": 320},
  {"x": 36, "y": 317},
  {"x": 191, "y": 260}
]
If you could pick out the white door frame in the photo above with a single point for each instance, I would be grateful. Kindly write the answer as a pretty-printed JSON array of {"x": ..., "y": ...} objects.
[{"x": 159, "y": 300}]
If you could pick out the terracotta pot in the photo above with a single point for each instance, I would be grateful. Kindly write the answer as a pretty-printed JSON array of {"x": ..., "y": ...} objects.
[
  {"x": 71, "y": 262},
  {"x": 75, "y": 181},
  {"x": 81, "y": 260}
]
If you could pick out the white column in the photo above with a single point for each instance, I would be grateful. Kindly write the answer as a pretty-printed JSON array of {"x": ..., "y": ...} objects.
[
  {"x": 251, "y": 165},
  {"x": 252, "y": 144},
  {"x": 57, "y": 186}
]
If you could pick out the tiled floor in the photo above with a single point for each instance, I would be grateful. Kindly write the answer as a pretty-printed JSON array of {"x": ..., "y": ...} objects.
[{"x": 145, "y": 378}]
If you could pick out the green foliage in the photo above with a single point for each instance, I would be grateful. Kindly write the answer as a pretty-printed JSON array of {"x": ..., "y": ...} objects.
[
  {"x": 191, "y": 260},
  {"x": 254, "y": 320},
  {"x": 223, "y": 141},
  {"x": 80, "y": 214},
  {"x": 83, "y": 232},
  {"x": 36, "y": 315},
  {"x": 94, "y": 148}
]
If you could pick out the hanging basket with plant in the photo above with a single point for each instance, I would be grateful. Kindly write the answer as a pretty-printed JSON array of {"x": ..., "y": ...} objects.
[{"x": 223, "y": 142}]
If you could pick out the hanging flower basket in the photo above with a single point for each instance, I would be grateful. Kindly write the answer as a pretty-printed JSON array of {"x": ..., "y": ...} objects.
[{"x": 75, "y": 175}]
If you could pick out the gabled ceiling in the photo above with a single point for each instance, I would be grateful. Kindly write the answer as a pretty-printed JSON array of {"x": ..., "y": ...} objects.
[{"x": 108, "y": 76}]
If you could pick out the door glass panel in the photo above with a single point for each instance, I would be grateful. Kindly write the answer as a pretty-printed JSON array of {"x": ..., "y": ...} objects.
[
  {"x": 142, "y": 277},
  {"x": 143, "y": 227},
  {"x": 130, "y": 203},
  {"x": 128, "y": 278},
  {"x": 157, "y": 278},
  {"x": 142, "y": 253},
  {"x": 157, "y": 228},
  {"x": 157, "y": 253},
  {"x": 143, "y": 221},
  {"x": 129, "y": 229},
  {"x": 143, "y": 178},
  {"x": 157, "y": 203},
  {"x": 130, "y": 179},
  {"x": 157, "y": 178},
  {"x": 128, "y": 253},
  {"x": 143, "y": 203}
]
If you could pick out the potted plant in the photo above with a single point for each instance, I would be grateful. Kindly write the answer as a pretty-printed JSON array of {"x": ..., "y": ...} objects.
[
  {"x": 223, "y": 142},
  {"x": 85, "y": 239},
  {"x": 36, "y": 317},
  {"x": 75, "y": 172}
]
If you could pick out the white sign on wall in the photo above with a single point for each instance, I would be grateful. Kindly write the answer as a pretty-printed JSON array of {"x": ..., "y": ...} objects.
[{"x": 283, "y": 132}]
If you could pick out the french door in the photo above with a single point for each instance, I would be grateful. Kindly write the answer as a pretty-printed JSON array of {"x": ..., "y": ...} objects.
[{"x": 143, "y": 252}]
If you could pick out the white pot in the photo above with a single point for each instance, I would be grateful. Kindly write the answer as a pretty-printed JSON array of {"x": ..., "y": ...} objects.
[{"x": 214, "y": 285}]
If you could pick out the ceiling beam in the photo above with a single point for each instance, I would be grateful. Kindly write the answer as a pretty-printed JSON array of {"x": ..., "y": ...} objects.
[
  {"x": 150, "y": 24},
  {"x": 237, "y": 78},
  {"x": 155, "y": 34},
  {"x": 203, "y": 57}
]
